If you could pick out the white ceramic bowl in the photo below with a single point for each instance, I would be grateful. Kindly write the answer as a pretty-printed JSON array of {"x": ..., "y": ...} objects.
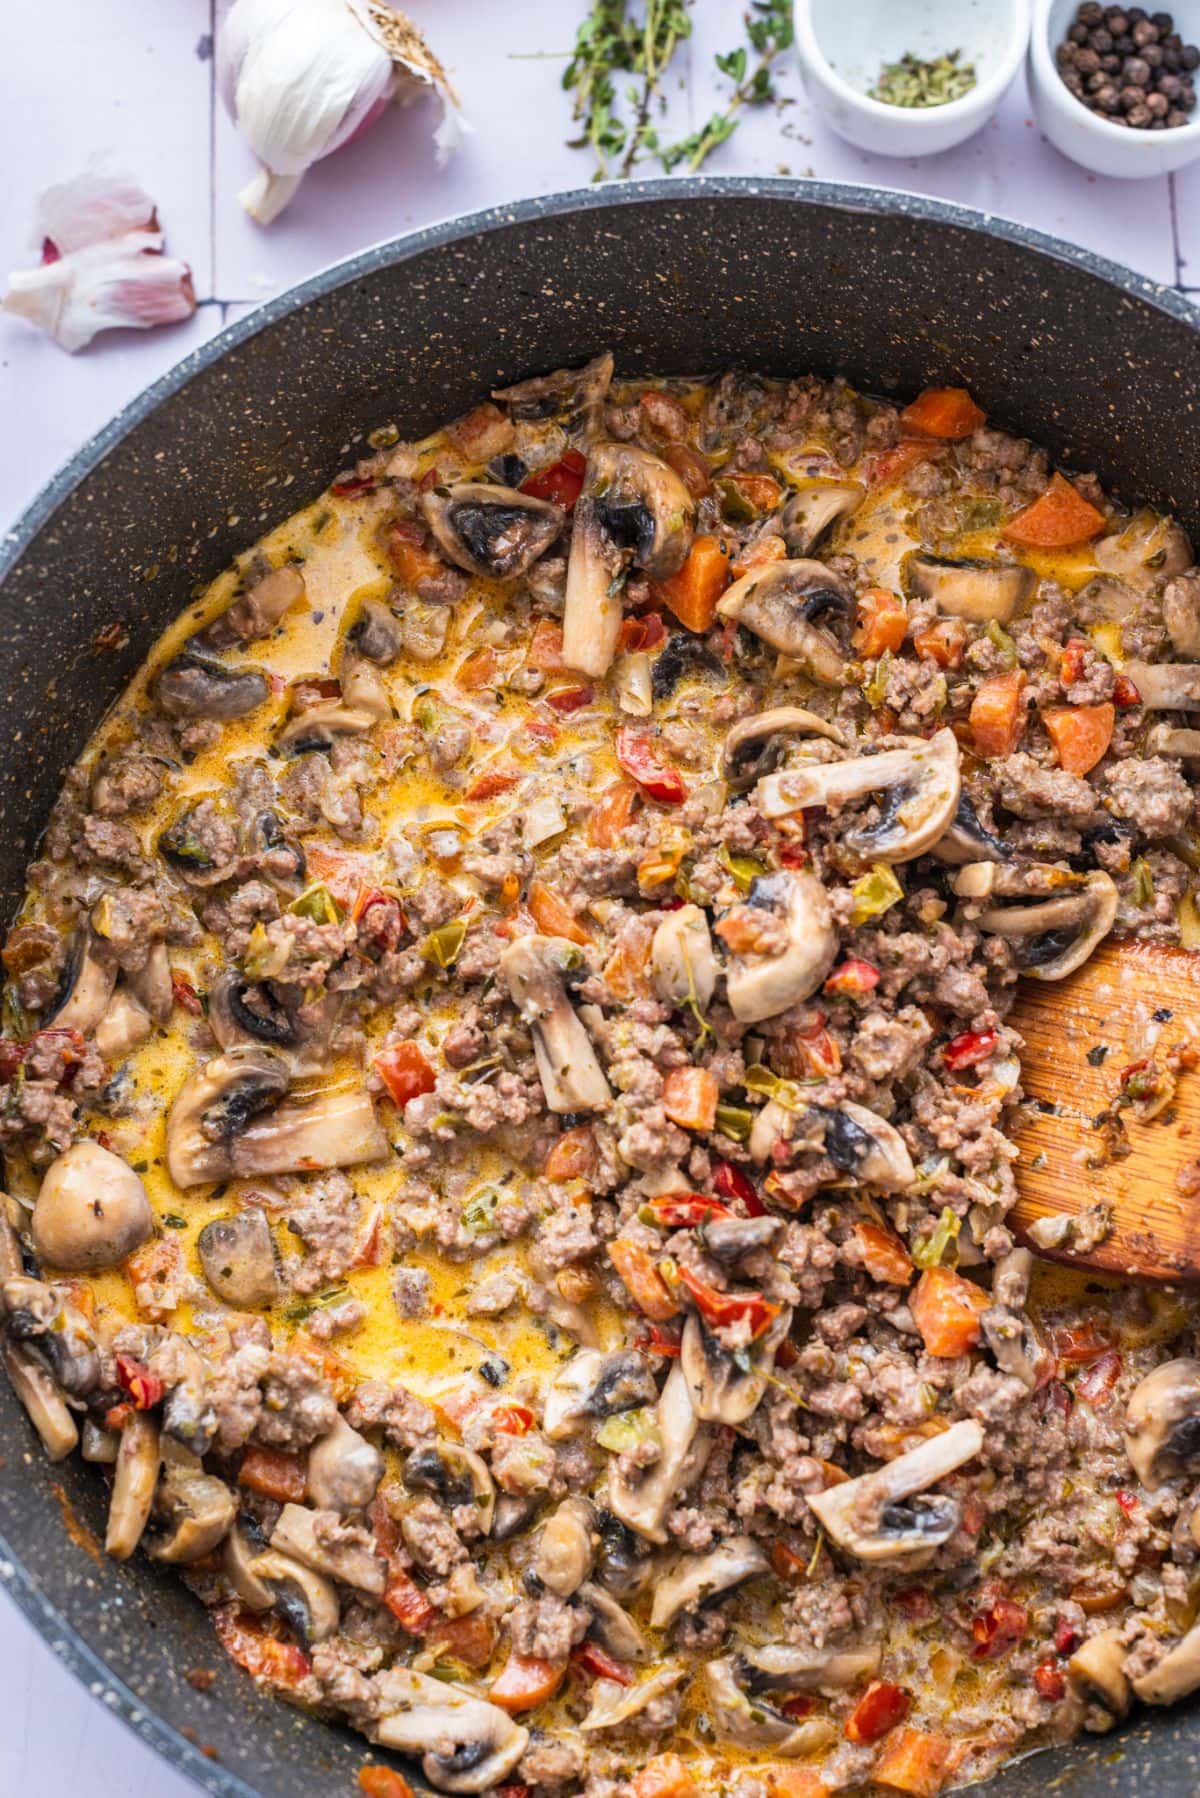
[
  {"x": 843, "y": 44},
  {"x": 1088, "y": 137}
]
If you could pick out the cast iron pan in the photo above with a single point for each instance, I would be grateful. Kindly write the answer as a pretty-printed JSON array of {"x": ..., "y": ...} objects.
[{"x": 893, "y": 291}]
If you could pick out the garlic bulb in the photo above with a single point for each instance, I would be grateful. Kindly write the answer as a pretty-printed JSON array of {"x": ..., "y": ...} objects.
[
  {"x": 102, "y": 264},
  {"x": 300, "y": 78}
]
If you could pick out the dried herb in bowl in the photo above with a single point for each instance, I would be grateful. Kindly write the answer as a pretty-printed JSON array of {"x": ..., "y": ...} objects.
[{"x": 915, "y": 82}]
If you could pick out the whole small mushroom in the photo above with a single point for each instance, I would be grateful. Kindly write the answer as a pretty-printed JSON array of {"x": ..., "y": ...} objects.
[
  {"x": 1162, "y": 1423},
  {"x": 92, "y": 1211}
]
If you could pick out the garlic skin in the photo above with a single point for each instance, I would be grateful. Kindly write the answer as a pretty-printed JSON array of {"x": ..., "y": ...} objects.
[
  {"x": 300, "y": 78},
  {"x": 102, "y": 264}
]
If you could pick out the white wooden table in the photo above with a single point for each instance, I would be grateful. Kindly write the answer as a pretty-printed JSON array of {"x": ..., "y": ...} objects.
[{"x": 132, "y": 81}]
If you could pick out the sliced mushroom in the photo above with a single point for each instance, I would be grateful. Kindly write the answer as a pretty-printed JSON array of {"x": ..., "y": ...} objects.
[
  {"x": 869, "y": 1517},
  {"x": 643, "y": 1500},
  {"x": 1181, "y": 613},
  {"x": 466, "y": 1744},
  {"x": 779, "y": 1667},
  {"x": 377, "y": 634},
  {"x": 457, "y": 1476},
  {"x": 572, "y": 1078},
  {"x": 98, "y": 1445},
  {"x": 1148, "y": 549},
  {"x": 344, "y": 1470},
  {"x": 966, "y": 587},
  {"x": 1097, "y": 1677},
  {"x": 197, "y": 1511},
  {"x": 920, "y": 784},
  {"x": 612, "y": 1626},
  {"x": 496, "y": 532},
  {"x": 572, "y": 395},
  {"x": 634, "y": 511},
  {"x": 243, "y": 1547},
  {"x": 362, "y": 704},
  {"x": 298, "y": 1533},
  {"x": 86, "y": 985},
  {"x": 800, "y": 608},
  {"x": 244, "y": 1012},
  {"x": 731, "y": 1239},
  {"x": 813, "y": 510},
  {"x": 1166, "y": 686},
  {"x": 306, "y": 1599},
  {"x": 727, "y": 1388},
  {"x": 92, "y": 1210},
  {"x": 682, "y": 962},
  {"x": 238, "y": 1256},
  {"x": 1175, "y": 1675},
  {"x": 43, "y": 1401},
  {"x": 1171, "y": 739},
  {"x": 227, "y": 1122},
  {"x": 966, "y": 840},
  {"x": 193, "y": 686},
  {"x": 754, "y": 1723},
  {"x": 1053, "y": 937},
  {"x": 125, "y": 1026},
  {"x": 566, "y": 1547},
  {"x": 257, "y": 611},
  {"x": 593, "y": 1384},
  {"x": 759, "y": 986},
  {"x": 756, "y": 746},
  {"x": 1014, "y": 1341},
  {"x": 50, "y": 1329},
  {"x": 1162, "y": 1423},
  {"x": 189, "y": 1417},
  {"x": 614, "y": 1704},
  {"x": 134, "y": 1481},
  {"x": 695, "y": 1578},
  {"x": 625, "y": 1565},
  {"x": 860, "y": 1144}
]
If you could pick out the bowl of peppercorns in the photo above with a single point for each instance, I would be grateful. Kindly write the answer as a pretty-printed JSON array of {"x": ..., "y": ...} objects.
[{"x": 1115, "y": 87}]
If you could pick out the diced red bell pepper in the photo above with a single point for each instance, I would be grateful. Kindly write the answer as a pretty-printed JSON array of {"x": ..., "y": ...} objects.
[
  {"x": 1066, "y": 1637},
  {"x": 1049, "y": 1682},
  {"x": 659, "y": 1340},
  {"x": 250, "y": 1642},
  {"x": 1100, "y": 1377},
  {"x": 683, "y": 1210},
  {"x": 408, "y": 1603},
  {"x": 969, "y": 1049},
  {"x": 1125, "y": 693},
  {"x": 1073, "y": 660},
  {"x": 144, "y": 1388},
  {"x": 511, "y": 1420},
  {"x": 592, "y": 1659},
  {"x": 1080, "y": 1344},
  {"x": 913, "y": 1602},
  {"x": 1127, "y": 1501},
  {"x": 185, "y": 995},
  {"x": 352, "y": 485},
  {"x": 998, "y": 1629},
  {"x": 561, "y": 482},
  {"x": 853, "y": 979},
  {"x": 880, "y": 1708},
  {"x": 722, "y": 1310},
  {"x": 635, "y": 753},
  {"x": 732, "y": 1183},
  {"x": 405, "y": 1071},
  {"x": 492, "y": 782},
  {"x": 570, "y": 699}
]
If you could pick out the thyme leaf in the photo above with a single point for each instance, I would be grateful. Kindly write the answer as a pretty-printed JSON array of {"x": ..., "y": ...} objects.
[{"x": 770, "y": 31}]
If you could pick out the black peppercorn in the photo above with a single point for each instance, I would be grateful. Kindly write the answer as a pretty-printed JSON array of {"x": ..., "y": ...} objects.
[
  {"x": 1137, "y": 72},
  {"x": 1129, "y": 64}
]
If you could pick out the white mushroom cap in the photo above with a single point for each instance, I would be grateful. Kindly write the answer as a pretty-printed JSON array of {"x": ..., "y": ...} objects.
[
  {"x": 697, "y": 1577},
  {"x": 682, "y": 959},
  {"x": 467, "y": 1744},
  {"x": 761, "y": 986},
  {"x": 1162, "y": 1422},
  {"x": 92, "y": 1210}
]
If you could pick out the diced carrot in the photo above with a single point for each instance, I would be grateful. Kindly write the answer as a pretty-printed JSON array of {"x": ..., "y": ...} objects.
[
  {"x": 405, "y": 1071},
  {"x": 880, "y": 1708},
  {"x": 883, "y": 621},
  {"x": 888, "y": 466},
  {"x": 997, "y": 714},
  {"x": 157, "y": 1273},
  {"x": 663, "y": 1776},
  {"x": 552, "y": 915},
  {"x": 942, "y": 642},
  {"x": 1058, "y": 518},
  {"x": 614, "y": 809},
  {"x": 525, "y": 1681},
  {"x": 794, "y": 1782},
  {"x": 408, "y": 1603},
  {"x": 408, "y": 555},
  {"x": 470, "y": 1639},
  {"x": 943, "y": 412},
  {"x": 642, "y": 1280},
  {"x": 768, "y": 548},
  {"x": 342, "y": 872},
  {"x": 1081, "y": 734},
  {"x": 573, "y": 1156},
  {"x": 883, "y": 1254},
  {"x": 479, "y": 670},
  {"x": 545, "y": 647},
  {"x": 641, "y": 633},
  {"x": 692, "y": 594},
  {"x": 945, "y": 1309},
  {"x": 690, "y": 1098},
  {"x": 252, "y": 1644},
  {"x": 626, "y": 972},
  {"x": 273, "y": 1474},
  {"x": 383, "y": 1782},
  {"x": 915, "y": 1761},
  {"x": 482, "y": 433}
]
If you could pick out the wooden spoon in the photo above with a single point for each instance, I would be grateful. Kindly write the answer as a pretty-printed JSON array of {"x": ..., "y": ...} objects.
[{"x": 1081, "y": 1138}]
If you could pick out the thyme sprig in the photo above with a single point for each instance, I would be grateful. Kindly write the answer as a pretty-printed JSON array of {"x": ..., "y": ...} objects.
[{"x": 770, "y": 31}]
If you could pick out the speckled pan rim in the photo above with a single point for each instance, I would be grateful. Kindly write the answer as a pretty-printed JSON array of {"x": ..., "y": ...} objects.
[{"x": 71, "y": 1649}]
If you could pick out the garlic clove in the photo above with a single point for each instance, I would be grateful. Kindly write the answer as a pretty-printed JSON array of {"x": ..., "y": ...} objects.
[
  {"x": 102, "y": 264},
  {"x": 300, "y": 78}
]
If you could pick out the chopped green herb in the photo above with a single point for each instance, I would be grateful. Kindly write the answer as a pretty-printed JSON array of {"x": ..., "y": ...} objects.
[
  {"x": 913, "y": 81},
  {"x": 172, "y": 1221}
]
